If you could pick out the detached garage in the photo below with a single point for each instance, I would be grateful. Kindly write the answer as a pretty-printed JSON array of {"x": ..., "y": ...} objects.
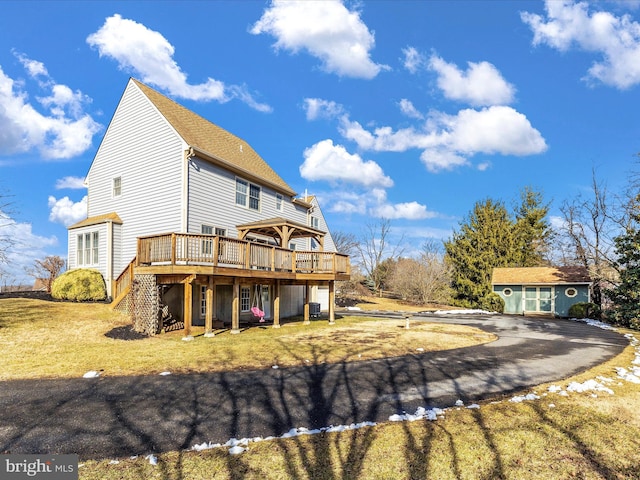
[{"x": 541, "y": 290}]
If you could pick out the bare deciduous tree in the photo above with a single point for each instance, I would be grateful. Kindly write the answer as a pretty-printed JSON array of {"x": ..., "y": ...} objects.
[
  {"x": 374, "y": 249},
  {"x": 47, "y": 270},
  {"x": 6, "y": 239},
  {"x": 590, "y": 225},
  {"x": 424, "y": 279}
]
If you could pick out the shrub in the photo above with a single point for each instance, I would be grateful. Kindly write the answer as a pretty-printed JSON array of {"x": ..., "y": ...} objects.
[
  {"x": 79, "y": 285},
  {"x": 584, "y": 310},
  {"x": 492, "y": 302}
]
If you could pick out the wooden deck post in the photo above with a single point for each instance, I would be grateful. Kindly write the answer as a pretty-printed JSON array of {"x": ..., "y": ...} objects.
[
  {"x": 332, "y": 302},
  {"x": 307, "y": 288},
  {"x": 188, "y": 310},
  {"x": 208, "y": 317},
  {"x": 276, "y": 304},
  {"x": 235, "y": 307}
]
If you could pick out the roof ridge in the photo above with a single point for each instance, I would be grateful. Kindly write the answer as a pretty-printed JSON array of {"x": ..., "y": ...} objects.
[{"x": 208, "y": 137}]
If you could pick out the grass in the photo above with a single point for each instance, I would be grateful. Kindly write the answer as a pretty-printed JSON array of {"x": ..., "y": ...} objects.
[
  {"x": 554, "y": 437},
  {"x": 41, "y": 339}
]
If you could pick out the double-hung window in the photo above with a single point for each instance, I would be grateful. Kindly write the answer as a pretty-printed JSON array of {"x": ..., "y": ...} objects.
[
  {"x": 207, "y": 243},
  {"x": 279, "y": 202},
  {"x": 87, "y": 249},
  {"x": 245, "y": 299},
  {"x": 247, "y": 194},
  {"x": 117, "y": 186}
]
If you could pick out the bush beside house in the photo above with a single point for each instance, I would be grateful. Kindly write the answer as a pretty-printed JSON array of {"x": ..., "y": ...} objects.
[{"x": 79, "y": 285}]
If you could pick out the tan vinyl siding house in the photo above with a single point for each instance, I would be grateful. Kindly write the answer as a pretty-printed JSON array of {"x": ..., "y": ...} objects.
[{"x": 192, "y": 225}]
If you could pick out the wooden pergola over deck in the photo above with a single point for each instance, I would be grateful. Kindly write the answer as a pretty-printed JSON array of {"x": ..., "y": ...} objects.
[{"x": 282, "y": 230}]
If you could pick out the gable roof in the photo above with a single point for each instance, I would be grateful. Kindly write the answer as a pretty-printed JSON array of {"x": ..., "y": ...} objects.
[
  {"x": 540, "y": 275},
  {"x": 213, "y": 142}
]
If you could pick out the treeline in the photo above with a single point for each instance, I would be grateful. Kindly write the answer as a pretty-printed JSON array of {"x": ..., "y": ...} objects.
[{"x": 598, "y": 230}]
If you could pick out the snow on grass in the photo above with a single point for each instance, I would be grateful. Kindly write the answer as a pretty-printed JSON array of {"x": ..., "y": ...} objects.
[
  {"x": 588, "y": 386},
  {"x": 421, "y": 414},
  {"x": 463, "y": 312},
  {"x": 522, "y": 398},
  {"x": 91, "y": 374}
]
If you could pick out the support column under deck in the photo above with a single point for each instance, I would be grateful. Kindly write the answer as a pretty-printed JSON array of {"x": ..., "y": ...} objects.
[
  {"x": 235, "y": 307},
  {"x": 332, "y": 302},
  {"x": 276, "y": 304},
  {"x": 307, "y": 289},
  {"x": 209, "y": 308}
]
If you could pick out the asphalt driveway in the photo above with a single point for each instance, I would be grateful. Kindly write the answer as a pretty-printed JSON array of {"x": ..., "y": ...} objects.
[{"x": 121, "y": 416}]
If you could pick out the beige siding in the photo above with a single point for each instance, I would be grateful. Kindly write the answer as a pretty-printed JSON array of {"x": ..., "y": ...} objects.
[{"x": 143, "y": 150}]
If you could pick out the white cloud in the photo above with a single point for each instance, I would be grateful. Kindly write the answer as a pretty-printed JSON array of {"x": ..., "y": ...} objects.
[
  {"x": 437, "y": 160},
  {"x": 327, "y": 30},
  {"x": 66, "y": 211},
  {"x": 413, "y": 60},
  {"x": 447, "y": 140},
  {"x": 332, "y": 163},
  {"x": 70, "y": 182},
  {"x": 570, "y": 25},
  {"x": 64, "y": 132},
  {"x": 482, "y": 84},
  {"x": 318, "y": 108},
  {"x": 33, "y": 67},
  {"x": 150, "y": 55},
  {"x": 27, "y": 247},
  {"x": 408, "y": 210},
  {"x": 409, "y": 109}
]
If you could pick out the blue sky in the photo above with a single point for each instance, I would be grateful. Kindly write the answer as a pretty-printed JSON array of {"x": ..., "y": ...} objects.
[{"x": 410, "y": 111}]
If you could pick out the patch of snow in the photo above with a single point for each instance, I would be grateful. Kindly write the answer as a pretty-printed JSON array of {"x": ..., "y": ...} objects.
[
  {"x": 474, "y": 405},
  {"x": 421, "y": 414},
  {"x": 459, "y": 403},
  {"x": 114, "y": 462},
  {"x": 419, "y": 349},
  {"x": 91, "y": 374},
  {"x": 164, "y": 374},
  {"x": 594, "y": 323},
  {"x": 153, "y": 460},
  {"x": 354, "y": 308},
  {"x": 275, "y": 367},
  {"x": 632, "y": 376},
  {"x": 589, "y": 385},
  {"x": 552, "y": 405},
  {"x": 237, "y": 450},
  {"x": 522, "y": 398},
  {"x": 188, "y": 338},
  {"x": 463, "y": 312}
]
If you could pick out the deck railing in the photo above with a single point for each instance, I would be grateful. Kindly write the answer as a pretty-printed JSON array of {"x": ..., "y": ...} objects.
[{"x": 200, "y": 249}]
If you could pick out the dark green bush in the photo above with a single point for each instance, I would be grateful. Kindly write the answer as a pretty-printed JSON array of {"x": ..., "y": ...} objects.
[
  {"x": 79, "y": 285},
  {"x": 492, "y": 302},
  {"x": 585, "y": 310}
]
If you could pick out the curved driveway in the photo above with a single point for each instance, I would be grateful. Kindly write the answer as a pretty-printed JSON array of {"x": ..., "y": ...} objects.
[{"x": 121, "y": 416}]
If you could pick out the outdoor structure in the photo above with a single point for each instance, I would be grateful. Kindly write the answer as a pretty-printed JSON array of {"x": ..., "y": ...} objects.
[
  {"x": 541, "y": 290},
  {"x": 190, "y": 226}
]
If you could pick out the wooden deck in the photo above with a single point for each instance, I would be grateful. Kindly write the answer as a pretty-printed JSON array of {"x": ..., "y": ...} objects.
[{"x": 211, "y": 254}]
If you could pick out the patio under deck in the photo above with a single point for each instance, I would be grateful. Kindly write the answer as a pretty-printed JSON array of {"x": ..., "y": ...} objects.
[{"x": 210, "y": 260}]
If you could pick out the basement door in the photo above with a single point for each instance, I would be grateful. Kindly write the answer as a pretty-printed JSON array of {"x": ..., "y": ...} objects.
[{"x": 538, "y": 299}]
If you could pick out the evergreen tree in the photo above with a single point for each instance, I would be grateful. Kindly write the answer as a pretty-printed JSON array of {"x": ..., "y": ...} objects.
[
  {"x": 485, "y": 240},
  {"x": 626, "y": 294},
  {"x": 533, "y": 233}
]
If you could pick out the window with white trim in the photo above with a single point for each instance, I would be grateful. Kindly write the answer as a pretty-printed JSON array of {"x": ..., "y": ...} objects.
[
  {"x": 507, "y": 292},
  {"x": 117, "y": 186},
  {"x": 203, "y": 301},
  {"x": 247, "y": 194},
  {"x": 221, "y": 232},
  {"x": 245, "y": 299},
  {"x": 207, "y": 243},
  {"x": 279, "y": 202},
  {"x": 87, "y": 249},
  {"x": 314, "y": 222},
  {"x": 571, "y": 292}
]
